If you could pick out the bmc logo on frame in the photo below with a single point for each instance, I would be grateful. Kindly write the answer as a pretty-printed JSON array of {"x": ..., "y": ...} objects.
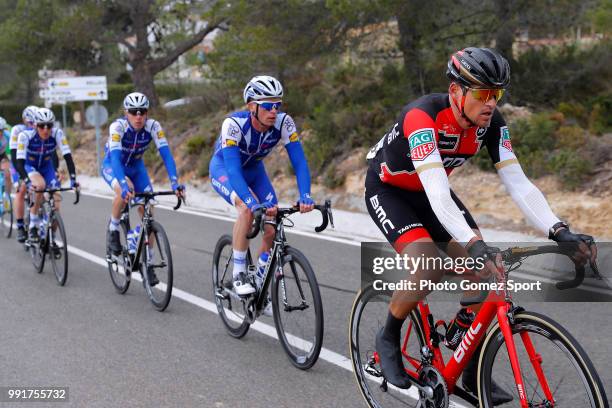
[
  {"x": 422, "y": 143},
  {"x": 381, "y": 214},
  {"x": 466, "y": 342}
]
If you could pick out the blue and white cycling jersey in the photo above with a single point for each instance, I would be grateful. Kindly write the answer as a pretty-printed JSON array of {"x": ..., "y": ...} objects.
[
  {"x": 15, "y": 131},
  {"x": 239, "y": 150},
  {"x": 126, "y": 146},
  {"x": 37, "y": 152}
]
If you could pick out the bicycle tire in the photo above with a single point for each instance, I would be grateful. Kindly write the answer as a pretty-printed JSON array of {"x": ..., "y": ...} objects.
[
  {"x": 7, "y": 213},
  {"x": 38, "y": 249},
  {"x": 561, "y": 342},
  {"x": 292, "y": 342},
  {"x": 235, "y": 324},
  {"x": 164, "y": 287},
  {"x": 362, "y": 343},
  {"x": 120, "y": 278},
  {"x": 60, "y": 266}
]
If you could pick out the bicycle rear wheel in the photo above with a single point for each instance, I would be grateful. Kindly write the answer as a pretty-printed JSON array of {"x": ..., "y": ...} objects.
[
  {"x": 298, "y": 310},
  {"x": 120, "y": 266},
  {"x": 560, "y": 373},
  {"x": 161, "y": 293},
  {"x": 230, "y": 306},
  {"x": 6, "y": 217},
  {"x": 368, "y": 315},
  {"x": 59, "y": 253}
]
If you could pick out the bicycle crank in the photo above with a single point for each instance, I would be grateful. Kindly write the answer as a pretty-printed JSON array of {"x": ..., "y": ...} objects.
[{"x": 435, "y": 392}]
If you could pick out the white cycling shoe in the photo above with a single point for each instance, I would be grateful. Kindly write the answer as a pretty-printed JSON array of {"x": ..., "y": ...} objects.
[{"x": 241, "y": 286}]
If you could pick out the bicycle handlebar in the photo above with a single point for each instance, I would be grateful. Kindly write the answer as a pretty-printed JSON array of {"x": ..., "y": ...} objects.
[
  {"x": 148, "y": 195},
  {"x": 513, "y": 255},
  {"x": 259, "y": 220},
  {"x": 77, "y": 192}
]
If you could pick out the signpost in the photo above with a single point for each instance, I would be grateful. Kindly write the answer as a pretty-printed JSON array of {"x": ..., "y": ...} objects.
[{"x": 70, "y": 88}]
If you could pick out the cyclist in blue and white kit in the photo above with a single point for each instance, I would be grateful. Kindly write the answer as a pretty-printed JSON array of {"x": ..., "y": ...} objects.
[
  {"x": 5, "y": 138},
  {"x": 28, "y": 117},
  {"x": 123, "y": 167},
  {"x": 237, "y": 171},
  {"x": 35, "y": 152}
]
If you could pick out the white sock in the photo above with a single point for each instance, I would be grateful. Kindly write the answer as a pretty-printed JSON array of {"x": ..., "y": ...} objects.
[
  {"x": 113, "y": 225},
  {"x": 239, "y": 262},
  {"x": 34, "y": 221},
  {"x": 151, "y": 254}
]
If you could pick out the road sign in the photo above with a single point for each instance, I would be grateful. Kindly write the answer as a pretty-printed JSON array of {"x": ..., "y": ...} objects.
[
  {"x": 85, "y": 82},
  {"x": 69, "y": 95},
  {"x": 96, "y": 115}
]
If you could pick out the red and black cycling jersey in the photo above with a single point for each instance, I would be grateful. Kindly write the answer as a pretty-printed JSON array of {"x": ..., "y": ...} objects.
[{"x": 427, "y": 131}]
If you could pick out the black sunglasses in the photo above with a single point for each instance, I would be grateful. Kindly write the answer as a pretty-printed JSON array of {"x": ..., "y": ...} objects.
[
  {"x": 45, "y": 125},
  {"x": 137, "y": 111}
]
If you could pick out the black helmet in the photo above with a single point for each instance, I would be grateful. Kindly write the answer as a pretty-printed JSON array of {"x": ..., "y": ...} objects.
[{"x": 479, "y": 67}]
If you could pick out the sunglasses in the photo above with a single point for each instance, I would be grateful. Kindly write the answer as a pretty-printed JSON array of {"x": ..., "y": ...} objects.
[
  {"x": 137, "y": 111},
  {"x": 45, "y": 125},
  {"x": 269, "y": 105},
  {"x": 484, "y": 95}
]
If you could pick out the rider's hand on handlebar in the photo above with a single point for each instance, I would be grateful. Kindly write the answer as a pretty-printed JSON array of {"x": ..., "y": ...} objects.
[
  {"x": 586, "y": 248},
  {"x": 179, "y": 190},
  {"x": 306, "y": 203},
  {"x": 126, "y": 192},
  {"x": 269, "y": 206},
  {"x": 479, "y": 251}
]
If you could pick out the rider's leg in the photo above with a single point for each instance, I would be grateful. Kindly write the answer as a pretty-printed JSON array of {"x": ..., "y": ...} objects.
[
  {"x": 19, "y": 202},
  {"x": 240, "y": 243},
  {"x": 260, "y": 184},
  {"x": 38, "y": 183}
]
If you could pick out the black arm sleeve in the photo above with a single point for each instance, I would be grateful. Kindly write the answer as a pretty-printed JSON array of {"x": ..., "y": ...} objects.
[
  {"x": 70, "y": 165},
  {"x": 20, "y": 167},
  {"x": 55, "y": 160},
  {"x": 14, "y": 157}
]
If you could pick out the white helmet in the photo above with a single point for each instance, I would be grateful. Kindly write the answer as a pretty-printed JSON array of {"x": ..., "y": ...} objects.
[
  {"x": 262, "y": 87},
  {"x": 29, "y": 114},
  {"x": 3, "y": 124},
  {"x": 44, "y": 115},
  {"x": 136, "y": 100}
]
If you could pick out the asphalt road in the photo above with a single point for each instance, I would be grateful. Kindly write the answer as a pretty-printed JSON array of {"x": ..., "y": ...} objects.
[{"x": 116, "y": 350}]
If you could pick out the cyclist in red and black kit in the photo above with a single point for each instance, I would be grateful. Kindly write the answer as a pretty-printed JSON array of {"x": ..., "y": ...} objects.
[{"x": 409, "y": 197}]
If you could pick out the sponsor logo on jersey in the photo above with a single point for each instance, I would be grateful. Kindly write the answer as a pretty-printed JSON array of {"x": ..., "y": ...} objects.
[
  {"x": 289, "y": 125},
  {"x": 20, "y": 146},
  {"x": 115, "y": 137},
  {"x": 504, "y": 140},
  {"x": 409, "y": 227},
  {"x": 422, "y": 143},
  {"x": 294, "y": 137},
  {"x": 381, "y": 214},
  {"x": 453, "y": 161},
  {"x": 161, "y": 134},
  {"x": 447, "y": 141},
  {"x": 64, "y": 141},
  {"x": 230, "y": 142},
  {"x": 481, "y": 131},
  {"x": 393, "y": 134},
  {"x": 14, "y": 139}
]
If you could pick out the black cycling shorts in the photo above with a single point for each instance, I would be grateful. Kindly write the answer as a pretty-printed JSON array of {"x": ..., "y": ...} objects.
[{"x": 404, "y": 216}]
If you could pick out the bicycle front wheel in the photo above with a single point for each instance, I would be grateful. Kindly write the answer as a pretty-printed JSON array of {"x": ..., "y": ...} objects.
[
  {"x": 120, "y": 266},
  {"x": 58, "y": 249},
  {"x": 229, "y": 305},
  {"x": 298, "y": 310},
  {"x": 368, "y": 315},
  {"x": 556, "y": 371},
  {"x": 6, "y": 214},
  {"x": 158, "y": 265}
]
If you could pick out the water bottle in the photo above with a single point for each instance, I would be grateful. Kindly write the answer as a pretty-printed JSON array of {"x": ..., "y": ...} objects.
[
  {"x": 261, "y": 267},
  {"x": 43, "y": 226},
  {"x": 132, "y": 239},
  {"x": 458, "y": 327}
]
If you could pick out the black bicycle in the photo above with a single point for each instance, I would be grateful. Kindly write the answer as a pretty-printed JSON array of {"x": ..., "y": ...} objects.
[
  {"x": 51, "y": 234},
  {"x": 6, "y": 208},
  {"x": 137, "y": 256},
  {"x": 296, "y": 300}
]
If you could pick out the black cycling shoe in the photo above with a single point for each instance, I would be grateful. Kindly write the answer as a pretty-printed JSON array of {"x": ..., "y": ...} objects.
[
  {"x": 21, "y": 235},
  {"x": 152, "y": 277},
  {"x": 469, "y": 379},
  {"x": 33, "y": 234},
  {"x": 113, "y": 242},
  {"x": 56, "y": 250},
  {"x": 390, "y": 357}
]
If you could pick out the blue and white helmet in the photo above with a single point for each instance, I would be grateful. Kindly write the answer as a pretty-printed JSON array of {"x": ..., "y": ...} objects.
[
  {"x": 136, "y": 100},
  {"x": 44, "y": 115},
  {"x": 262, "y": 87},
  {"x": 3, "y": 124},
  {"x": 29, "y": 114}
]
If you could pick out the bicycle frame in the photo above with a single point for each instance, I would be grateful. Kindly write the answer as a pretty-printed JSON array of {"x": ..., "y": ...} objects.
[{"x": 143, "y": 238}]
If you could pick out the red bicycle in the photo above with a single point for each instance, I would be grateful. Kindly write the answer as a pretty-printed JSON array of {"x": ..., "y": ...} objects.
[{"x": 550, "y": 369}]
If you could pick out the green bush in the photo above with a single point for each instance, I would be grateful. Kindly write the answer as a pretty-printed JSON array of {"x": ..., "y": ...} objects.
[
  {"x": 571, "y": 137},
  {"x": 572, "y": 168},
  {"x": 196, "y": 144}
]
